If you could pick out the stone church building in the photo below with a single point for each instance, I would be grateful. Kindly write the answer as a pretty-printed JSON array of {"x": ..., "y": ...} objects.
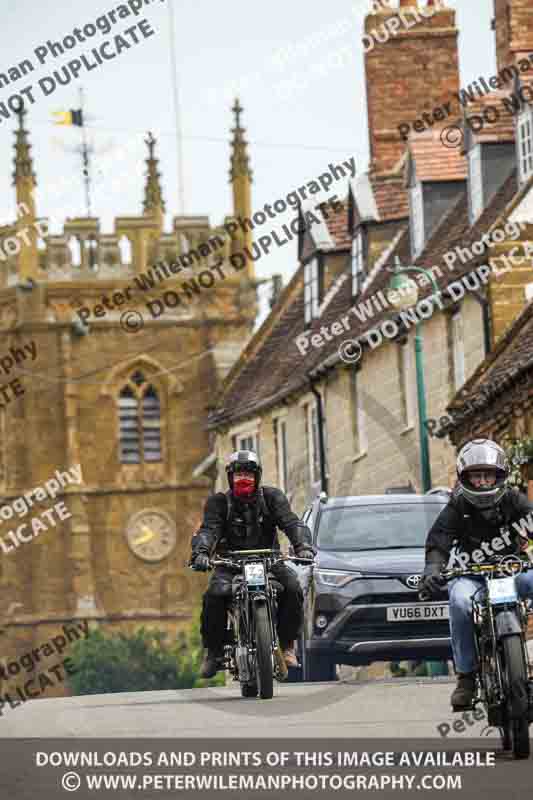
[{"x": 125, "y": 400}]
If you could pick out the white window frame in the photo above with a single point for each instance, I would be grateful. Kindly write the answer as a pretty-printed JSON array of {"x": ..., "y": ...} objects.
[
  {"x": 524, "y": 144},
  {"x": 475, "y": 183},
  {"x": 405, "y": 362},
  {"x": 416, "y": 204},
  {"x": 358, "y": 262},
  {"x": 360, "y": 440},
  {"x": 313, "y": 444},
  {"x": 244, "y": 440},
  {"x": 282, "y": 453},
  {"x": 311, "y": 290},
  {"x": 250, "y": 431},
  {"x": 458, "y": 350}
]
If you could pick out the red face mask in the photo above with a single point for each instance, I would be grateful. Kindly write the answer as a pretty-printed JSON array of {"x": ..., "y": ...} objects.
[{"x": 244, "y": 485}]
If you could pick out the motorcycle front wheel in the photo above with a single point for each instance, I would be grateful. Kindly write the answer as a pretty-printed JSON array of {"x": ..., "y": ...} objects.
[
  {"x": 263, "y": 654},
  {"x": 516, "y": 690},
  {"x": 249, "y": 690}
]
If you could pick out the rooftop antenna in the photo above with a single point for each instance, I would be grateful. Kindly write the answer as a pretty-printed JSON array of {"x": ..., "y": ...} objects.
[{"x": 177, "y": 107}]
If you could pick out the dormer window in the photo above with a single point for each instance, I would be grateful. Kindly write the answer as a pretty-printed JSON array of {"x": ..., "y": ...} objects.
[
  {"x": 525, "y": 144},
  {"x": 358, "y": 263},
  {"x": 416, "y": 203},
  {"x": 475, "y": 183},
  {"x": 311, "y": 290}
]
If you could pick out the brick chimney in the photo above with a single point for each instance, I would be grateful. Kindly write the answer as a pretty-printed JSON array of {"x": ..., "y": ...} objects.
[
  {"x": 513, "y": 27},
  {"x": 413, "y": 71}
]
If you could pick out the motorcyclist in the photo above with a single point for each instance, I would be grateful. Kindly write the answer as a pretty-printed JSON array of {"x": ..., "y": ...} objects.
[
  {"x": 246, "y": 518},
  {"x": 484, "y": 519}
]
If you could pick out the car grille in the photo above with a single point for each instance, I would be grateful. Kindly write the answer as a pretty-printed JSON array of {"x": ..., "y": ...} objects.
[
  {"x": 388, "y": 599},
  {"x": 358, "y": 628}
]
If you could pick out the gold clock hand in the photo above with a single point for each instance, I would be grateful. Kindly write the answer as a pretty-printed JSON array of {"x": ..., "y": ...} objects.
[{"x": 148, "y": 536}]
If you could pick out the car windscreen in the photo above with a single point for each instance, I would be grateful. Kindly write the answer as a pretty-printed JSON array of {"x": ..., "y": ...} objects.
[{"x": 375, "y": 527}]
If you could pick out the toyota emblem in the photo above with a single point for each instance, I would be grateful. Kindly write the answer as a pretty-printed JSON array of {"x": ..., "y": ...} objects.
[{"x": 413, "y": 581}]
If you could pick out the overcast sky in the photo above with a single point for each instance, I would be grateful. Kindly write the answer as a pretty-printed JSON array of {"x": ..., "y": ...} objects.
[{"x": 297, "y": 120}]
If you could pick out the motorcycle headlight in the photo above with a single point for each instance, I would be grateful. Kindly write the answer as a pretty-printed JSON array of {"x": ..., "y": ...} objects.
[{"x": 335, "y": 577}]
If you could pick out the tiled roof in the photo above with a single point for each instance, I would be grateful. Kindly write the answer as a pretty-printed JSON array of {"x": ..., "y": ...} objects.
[
  {"x": 433, "y": 160},
  {"x": 277, "y": 369}
]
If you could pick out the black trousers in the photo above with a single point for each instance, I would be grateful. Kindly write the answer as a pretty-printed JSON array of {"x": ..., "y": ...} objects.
[{"x": 218, "y": 596}]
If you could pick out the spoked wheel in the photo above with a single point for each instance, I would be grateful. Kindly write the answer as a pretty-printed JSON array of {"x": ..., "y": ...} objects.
[
  {"x": 263, "y": 656},
  {"x": 516, "y": 729}
]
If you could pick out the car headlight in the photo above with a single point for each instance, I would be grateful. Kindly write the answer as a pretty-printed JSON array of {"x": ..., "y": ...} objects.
[{"x": 335, "y": 577}]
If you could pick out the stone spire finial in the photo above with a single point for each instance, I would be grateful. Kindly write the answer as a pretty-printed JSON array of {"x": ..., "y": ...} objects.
[
  {"x": 240, "y": 165},
  {"x": 153, "y": 195},
  {"x": 23, "y": 159}
]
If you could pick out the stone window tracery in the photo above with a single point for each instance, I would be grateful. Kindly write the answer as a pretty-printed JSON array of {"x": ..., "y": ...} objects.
[{"x": 139, "y": 421}]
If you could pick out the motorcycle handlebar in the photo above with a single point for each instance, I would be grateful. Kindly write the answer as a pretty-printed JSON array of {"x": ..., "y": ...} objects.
[
  {"x": 236, "y": 564},
  {"x": 480, "y": 569}
]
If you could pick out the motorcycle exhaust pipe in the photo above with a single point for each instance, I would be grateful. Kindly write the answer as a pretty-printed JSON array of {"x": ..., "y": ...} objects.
[{"x": 281, "y": 665}]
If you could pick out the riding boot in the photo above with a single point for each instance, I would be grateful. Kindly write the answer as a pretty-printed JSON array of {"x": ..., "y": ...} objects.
[
  {"x": 213, "y": 661},
  {"x": 288, "y": 654},
  {"x": 463, "y": 695}
]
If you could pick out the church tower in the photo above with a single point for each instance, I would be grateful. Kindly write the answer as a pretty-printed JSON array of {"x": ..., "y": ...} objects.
[{"x": 120, "y": 391}]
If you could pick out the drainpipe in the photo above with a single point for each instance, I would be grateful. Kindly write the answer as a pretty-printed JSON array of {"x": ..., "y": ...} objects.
[{"x": 321, "y": 447}]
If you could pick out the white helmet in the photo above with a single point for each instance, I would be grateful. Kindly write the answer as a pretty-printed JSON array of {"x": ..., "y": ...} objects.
[{"x": 477, "y": 455}]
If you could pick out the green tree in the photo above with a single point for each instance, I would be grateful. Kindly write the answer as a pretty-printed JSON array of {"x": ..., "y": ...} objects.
[{"x": 139, "y": 662}]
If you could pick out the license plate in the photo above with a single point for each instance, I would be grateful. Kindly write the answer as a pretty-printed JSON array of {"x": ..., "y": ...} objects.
[
  {"x": 254, "y": 574},
  {"x": 503, "y": 590},
  {"x": 417, "y": 613}
]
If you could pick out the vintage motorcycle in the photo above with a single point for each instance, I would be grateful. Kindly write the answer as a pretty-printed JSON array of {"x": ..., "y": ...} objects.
[
  {"x": 504, "y": 681},
  {"x": 252, "y": 653}
]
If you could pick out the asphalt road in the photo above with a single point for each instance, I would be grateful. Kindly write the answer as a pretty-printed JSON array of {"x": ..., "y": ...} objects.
[
  {"x": 402, "y": 708},
  {"x": 382, "y": 716}
]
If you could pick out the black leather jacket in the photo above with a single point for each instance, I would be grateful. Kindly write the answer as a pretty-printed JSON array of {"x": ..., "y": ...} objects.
[
  {"x": 469, "y": 528},
  {"x": 232, "y": 525}
]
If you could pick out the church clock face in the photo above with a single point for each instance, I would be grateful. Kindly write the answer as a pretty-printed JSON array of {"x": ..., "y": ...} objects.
[{"x": 151, "y": 534}]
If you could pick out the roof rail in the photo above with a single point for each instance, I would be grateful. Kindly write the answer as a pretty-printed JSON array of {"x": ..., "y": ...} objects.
[{"x": 323, "y": 497}]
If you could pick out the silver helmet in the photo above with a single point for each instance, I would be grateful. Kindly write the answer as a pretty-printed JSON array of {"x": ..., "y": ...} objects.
[{"x": 477, "y": 455}]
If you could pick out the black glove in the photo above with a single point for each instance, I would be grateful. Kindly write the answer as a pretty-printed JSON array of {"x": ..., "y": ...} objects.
[
  {"x": 431, "y": 586},
  {"x": 201, "y": 562},
  {"x": 305, "y": 552}
]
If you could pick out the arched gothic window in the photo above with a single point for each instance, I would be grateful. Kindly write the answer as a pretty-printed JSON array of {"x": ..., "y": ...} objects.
[{"x": 139, "y": 421}]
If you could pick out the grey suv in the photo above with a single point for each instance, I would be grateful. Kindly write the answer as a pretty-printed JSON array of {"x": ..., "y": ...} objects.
[{"x": 362, "y": 602}]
